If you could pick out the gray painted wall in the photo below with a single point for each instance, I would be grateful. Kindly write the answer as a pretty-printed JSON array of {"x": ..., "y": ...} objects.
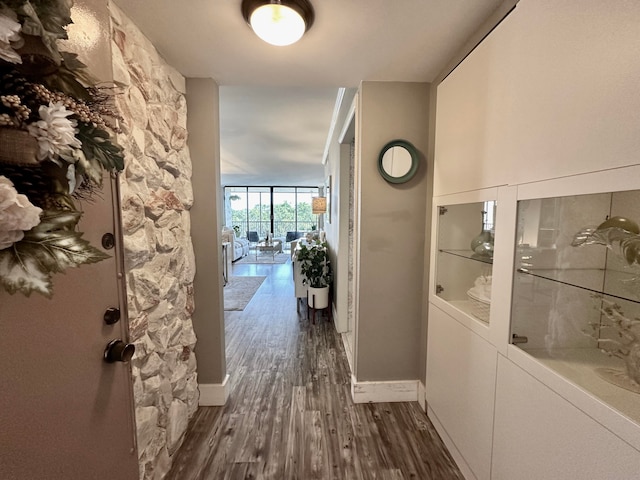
[
  {"x": 391, "y": 266},
  {"x": 203, "y": 125}
]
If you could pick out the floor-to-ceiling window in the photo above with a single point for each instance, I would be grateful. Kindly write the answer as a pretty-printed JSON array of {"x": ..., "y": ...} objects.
[
  {"x": 270, "y": 209},
  {"x": 284, "y": 210}
]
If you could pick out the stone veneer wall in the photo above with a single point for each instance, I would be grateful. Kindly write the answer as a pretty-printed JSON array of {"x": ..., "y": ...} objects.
[{"x": 156, "y": 197}]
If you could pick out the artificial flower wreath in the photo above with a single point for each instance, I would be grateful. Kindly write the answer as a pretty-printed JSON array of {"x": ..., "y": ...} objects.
[{"x": 55, "y": 144}]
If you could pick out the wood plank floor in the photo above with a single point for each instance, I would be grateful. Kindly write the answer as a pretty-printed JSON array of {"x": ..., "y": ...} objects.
[{"x": 290, "y": 413}]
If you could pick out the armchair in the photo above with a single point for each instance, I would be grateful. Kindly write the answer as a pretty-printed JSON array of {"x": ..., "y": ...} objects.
[
  {"x": 291, "y": 237},
  {"x": 253, "y": 238}
]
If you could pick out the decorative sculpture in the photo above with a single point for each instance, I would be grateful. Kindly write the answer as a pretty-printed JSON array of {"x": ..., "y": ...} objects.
[
  {"x": 621, "y": 236},
  {"x": 623, "y": 344}
]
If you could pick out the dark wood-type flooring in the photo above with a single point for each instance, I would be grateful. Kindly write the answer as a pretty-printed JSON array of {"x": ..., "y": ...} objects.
[{"x": 290, "y": 415}]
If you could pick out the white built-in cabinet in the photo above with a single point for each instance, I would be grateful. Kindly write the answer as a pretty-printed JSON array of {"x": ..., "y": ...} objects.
[
  {"x": 508, "y": 410},
  {"x": 463, "y": 341},
  {"x": 542, "y": 118}
]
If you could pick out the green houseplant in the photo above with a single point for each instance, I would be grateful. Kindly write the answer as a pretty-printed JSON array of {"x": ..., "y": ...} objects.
[
  {"x": 314, "y": 264},
  {"x": 316, "y": 270}
]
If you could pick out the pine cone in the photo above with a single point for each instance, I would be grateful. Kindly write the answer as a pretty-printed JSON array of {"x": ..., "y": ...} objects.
[
  {"x": 28, "y": 180},
  {"x": 44, "y": 184}
]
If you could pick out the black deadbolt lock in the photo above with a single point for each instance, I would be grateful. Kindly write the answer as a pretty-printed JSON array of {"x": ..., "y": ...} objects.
[
  {"x": 111, "y": 315},
  {"x": 108, "y": 241}
]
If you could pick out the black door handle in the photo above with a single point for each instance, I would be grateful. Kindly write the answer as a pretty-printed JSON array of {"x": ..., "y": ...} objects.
[{"x": 118, "y": 351}]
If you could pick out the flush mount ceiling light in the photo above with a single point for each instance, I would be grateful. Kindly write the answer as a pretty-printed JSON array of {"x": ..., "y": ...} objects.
[{"x": 278, "y": 22}]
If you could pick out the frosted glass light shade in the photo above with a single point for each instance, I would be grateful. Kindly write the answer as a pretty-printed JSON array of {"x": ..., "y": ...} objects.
[{"x": 277, "y": 24}]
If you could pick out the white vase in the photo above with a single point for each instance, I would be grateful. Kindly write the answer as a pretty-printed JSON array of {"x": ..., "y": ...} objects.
[{"x": 318, "y": 297}]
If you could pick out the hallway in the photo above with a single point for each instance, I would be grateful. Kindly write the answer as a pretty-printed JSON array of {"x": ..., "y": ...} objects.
[{"x": 290, "y": 415}]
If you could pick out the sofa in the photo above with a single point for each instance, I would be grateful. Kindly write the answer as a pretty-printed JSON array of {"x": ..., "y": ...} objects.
[{"x": 239, "y": 246}]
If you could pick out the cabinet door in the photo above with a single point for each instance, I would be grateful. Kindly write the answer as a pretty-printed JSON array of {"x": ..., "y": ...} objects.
[
  {"x": 460, "y": 388},
  {"x": 538, "y": 434},
  {"x": 465, "y": 256},
  {"x": 575, "y": 292},
  {"x": 497, "y": 123}
]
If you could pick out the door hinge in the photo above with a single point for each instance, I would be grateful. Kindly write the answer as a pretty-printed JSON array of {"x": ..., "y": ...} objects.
[{"x": 442, "y": 210}]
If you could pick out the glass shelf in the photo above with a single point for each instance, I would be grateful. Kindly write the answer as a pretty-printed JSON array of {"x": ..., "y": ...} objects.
[
  {"x": 597, "y": 281},
  {"x": 468, "y": 254}
]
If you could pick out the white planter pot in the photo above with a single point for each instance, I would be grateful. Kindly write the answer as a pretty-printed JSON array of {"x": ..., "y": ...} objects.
[{"x": 318, "y": 297}]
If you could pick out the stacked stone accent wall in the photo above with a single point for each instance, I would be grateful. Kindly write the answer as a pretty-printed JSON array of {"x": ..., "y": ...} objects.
[{"x": 156, "y": 197}]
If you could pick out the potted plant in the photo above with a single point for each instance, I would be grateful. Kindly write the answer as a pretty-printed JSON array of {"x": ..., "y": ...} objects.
[{"x": 316, "y": 270}]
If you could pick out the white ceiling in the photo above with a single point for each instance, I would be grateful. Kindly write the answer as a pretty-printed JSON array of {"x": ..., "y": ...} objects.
[
  {"x": 271, "y": 132},
  {"x": 274, "y": 135}
]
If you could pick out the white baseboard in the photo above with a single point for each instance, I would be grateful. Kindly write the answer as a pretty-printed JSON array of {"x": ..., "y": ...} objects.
[
  {"x": 422, "y": 396},
  {"x": 379, "y": 392},
  {"x": 214, "y": 394}
]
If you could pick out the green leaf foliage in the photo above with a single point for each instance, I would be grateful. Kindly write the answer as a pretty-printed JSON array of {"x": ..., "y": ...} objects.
[
  {"x": 65, "y": 80},
  {"x": 50, "y": 247},
  {"x": 314, "y": 264},
  {"x": 97, "y": 146},
  {"x": 44, "y": 18},
  {"x": 54, "y": 15}
]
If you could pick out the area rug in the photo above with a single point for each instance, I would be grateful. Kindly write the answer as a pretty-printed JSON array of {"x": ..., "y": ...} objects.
[
  {"x": 264, "y": 258},
  {"x": 239, "y": 291}
]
